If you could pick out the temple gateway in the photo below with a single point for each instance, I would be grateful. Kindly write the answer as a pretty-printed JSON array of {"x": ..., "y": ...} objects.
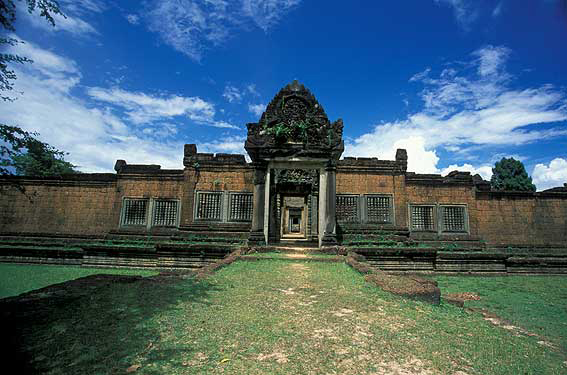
[{"x": 296, "y": 188}]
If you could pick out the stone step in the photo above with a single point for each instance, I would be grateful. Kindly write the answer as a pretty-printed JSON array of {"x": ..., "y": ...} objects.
[
  {"x": 290, "y": 249},
  {"x": 298, "y": 257}
]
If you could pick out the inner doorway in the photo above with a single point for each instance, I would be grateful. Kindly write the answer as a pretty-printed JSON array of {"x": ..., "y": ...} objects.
[{"x": 294, "y": 217}]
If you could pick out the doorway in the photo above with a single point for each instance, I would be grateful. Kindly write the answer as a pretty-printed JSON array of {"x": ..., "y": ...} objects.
[{"x": 294, "y": 218}]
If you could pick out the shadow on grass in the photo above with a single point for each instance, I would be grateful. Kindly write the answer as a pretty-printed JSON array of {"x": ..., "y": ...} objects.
[{"x": 96, "y": 324}]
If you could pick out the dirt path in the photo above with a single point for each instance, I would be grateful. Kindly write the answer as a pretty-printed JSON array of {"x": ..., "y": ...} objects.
[{"x": 304, "y": 303}]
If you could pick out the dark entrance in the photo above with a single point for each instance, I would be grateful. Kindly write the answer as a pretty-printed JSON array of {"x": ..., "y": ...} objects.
[{"x": 294, "y": 211}]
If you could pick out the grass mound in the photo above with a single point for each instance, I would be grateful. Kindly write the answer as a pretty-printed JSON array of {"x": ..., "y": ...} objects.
[{"x": 412, "y": 287}]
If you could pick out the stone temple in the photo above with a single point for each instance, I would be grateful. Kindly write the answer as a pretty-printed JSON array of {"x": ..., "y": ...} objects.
[{"x": 296, "y": 187}]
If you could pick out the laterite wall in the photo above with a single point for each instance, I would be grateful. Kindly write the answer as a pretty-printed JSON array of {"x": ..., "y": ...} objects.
[
  {"x": 538, "y": 219},
  {"x": 89, "y": 204},
  {"x": 58, "y": 207}
]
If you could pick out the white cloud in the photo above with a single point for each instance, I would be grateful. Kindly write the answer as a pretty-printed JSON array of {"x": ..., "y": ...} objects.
[
  {"x": 491, "y": 61},
  {"x": 252, "y": 89},
  {"x": 163, "y": 130},
  {"x": 257, "y": 109},
  {"x": 54, "y": 69},
  {"x": 133, "y": 19},
  {"x": 73, "y": 25},
  {"x": 267, "y": 13},
  {"x": 485, "y": 171},
  {"x": 194, "y": 26},
  {"x": 232, "y": 94},
  {"x": 552, "y": 175},
  {"x": 222, "y": 124},
  {"x": 95, "y": 137},
  {"x": 463, "y": 109},
  {"x": 464, "y": 10},
  {"x": 73, "y": 22},
  {"x": 47, "y": 62},
  {"x": 82, "y": 6},
  {"x": 230, "y": 145},
  {"x": 142, "y": 108}
]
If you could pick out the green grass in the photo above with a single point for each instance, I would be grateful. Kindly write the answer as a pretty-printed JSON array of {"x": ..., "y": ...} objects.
[
  {"x": 535, "y": 303},
  {"x": 16, "y": 279},
  {"x": 271, "y": 317}
]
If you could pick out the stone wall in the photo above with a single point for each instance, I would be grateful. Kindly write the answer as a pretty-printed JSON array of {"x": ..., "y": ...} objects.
[
  {"x": 529, "y": 219},
  {"x": 213, "y": 172},
  {"x": 90, "y": 204},
  {"x": 498, "y": 218},
  {"x": 57, "y": 206},
  {"x": 163, "y": 184},
  {"x": 350, "y": 181}
]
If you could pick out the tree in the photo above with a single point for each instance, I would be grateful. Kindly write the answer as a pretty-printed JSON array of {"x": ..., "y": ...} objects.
[
  {"x": 41, "y": 160},
  {"x": 510, "y": 175},
  {"x": 20, "y": 150}
]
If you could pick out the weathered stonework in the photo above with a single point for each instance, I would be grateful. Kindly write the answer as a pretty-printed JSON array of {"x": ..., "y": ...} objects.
[{"x": 295, "y": 156}]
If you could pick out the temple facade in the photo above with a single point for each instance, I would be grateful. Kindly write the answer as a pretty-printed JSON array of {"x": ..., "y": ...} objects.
[{"x": 295, "y": 187}]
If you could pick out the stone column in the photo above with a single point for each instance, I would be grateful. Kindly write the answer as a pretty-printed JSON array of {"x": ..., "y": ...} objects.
[
  {"x": 322, "y": 204},
  {"x": 257, "y": 230},
  {"x": 327, "y": 206},
  {"x": 267, "y": 211}
]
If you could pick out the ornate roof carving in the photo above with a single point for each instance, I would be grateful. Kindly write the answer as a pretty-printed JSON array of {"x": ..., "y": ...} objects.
[{"x": 294, "y": 124}]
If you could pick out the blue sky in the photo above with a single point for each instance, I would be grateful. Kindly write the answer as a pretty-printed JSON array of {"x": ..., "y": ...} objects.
[{"x": 458, "y": 83}]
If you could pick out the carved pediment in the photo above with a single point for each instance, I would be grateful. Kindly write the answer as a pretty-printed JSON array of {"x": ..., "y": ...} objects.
[{"x": 294, "y": 124}]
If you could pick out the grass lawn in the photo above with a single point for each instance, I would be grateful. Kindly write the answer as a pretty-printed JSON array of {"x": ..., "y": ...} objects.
[
  {"x": 535, "y": 303},
  {"x": 17, "y": 278},
  {"x": 269, "y": 317}
]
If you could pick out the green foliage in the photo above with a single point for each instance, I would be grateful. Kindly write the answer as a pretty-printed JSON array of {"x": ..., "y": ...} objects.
[
  {"x": 12, "y": 141},
  {"x": 279, "y": 131},
  {"x": 40, "y": 160},
  {"x": 283, "y": 132},
  {"x": 510, "y": 175}
]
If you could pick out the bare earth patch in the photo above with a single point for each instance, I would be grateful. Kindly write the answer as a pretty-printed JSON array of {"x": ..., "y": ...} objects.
[
  {"x": 413, "y": 367},
  {"x": 498, "y": 321},
  {"x": 276, "y": 356}
]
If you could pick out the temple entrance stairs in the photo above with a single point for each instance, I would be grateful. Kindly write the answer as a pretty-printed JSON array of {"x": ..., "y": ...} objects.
[{"x": 294, "y": 251}]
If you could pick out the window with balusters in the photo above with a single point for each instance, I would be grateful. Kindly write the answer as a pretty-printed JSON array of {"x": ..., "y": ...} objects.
[
  {"x": 422, "y": 218},
  {"x": 241, "y": 205},
  {"x": 347, "y": 208},
  {"x": 209, "y": 206},
  {"x": 223, "y": 206},
  {"x": 439, "y": 218},
  {"x": 145, "y": 212},
  {"x": 134, "y": 211},
  {"x": 165, "y": 213},
  {"x": 453, "y": 218},
  {"x": 379, "y": 209}
]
